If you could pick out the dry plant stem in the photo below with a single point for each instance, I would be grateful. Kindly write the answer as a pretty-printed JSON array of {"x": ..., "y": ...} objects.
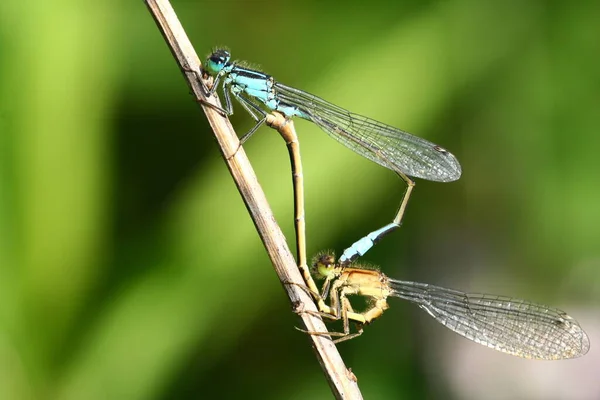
[{"x": 342, "y": 383}]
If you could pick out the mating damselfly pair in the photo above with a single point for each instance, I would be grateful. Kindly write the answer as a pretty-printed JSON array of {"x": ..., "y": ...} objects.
[{"x": 510, "y": 325}]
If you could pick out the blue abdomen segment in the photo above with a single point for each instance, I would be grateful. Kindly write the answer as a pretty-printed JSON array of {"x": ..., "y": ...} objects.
[{"x": 364, "y": 244}]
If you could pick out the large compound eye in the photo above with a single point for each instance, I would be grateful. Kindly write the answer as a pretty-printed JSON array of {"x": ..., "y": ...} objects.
[
  {"x": 220, "y": 57},
  {"x": 217, "y": 59}
]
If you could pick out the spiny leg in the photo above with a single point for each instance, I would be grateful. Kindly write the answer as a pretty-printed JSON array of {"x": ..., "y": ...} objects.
[
  {"x": 326, "y": 312},
  {"x": 361, "y": 246},
  {"x": 209, "y": 92},
  {"x": 343, "y": 309},
  {"x": 346, "y": 310},
  {"x": 329, "y": 312},
  {"x": 249, "y": 107},
  {"x": 366, "y": 317}
]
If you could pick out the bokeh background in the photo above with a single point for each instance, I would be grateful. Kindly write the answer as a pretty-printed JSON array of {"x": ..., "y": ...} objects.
[{"x": 129, "y": 268}]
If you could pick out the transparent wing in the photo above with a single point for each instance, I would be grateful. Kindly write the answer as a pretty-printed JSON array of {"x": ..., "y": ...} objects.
[
  {"x": 513, "y": 326},
  {"x": 380, "y": 143}
]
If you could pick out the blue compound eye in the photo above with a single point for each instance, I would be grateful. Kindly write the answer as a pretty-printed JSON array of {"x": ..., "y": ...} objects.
[
  {"x": 220, "y": 56},
  {"x": 217, "y": 61}
]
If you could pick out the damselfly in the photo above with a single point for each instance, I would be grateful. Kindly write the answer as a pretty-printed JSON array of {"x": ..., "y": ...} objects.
[
  {"x": 405, "y": 154},
  {"x": 509, "y": 325}
]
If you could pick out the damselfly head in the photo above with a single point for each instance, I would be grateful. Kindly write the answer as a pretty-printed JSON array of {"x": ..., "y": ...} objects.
[
  {"x": 324, "y": 265},
  {"x": 217, "y": 61}
]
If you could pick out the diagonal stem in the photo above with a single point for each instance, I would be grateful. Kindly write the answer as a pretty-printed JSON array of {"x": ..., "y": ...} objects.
[{"x": 341, "y": 380}]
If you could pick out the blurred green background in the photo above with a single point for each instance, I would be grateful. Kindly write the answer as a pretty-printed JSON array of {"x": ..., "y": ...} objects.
[{"x": 129, "y": 268}]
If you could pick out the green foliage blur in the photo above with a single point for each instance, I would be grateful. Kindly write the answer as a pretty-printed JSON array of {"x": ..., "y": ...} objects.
[{"x": 129, "y": 268}]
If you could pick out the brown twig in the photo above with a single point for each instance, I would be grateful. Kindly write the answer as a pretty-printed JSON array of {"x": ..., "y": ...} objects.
[{"x": 341, "y": 382}]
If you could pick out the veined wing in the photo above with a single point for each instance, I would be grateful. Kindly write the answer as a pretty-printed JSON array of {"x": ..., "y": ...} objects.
[
  {"x": 513, "y": 326},
  {"x": 380, "y": 143}
]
